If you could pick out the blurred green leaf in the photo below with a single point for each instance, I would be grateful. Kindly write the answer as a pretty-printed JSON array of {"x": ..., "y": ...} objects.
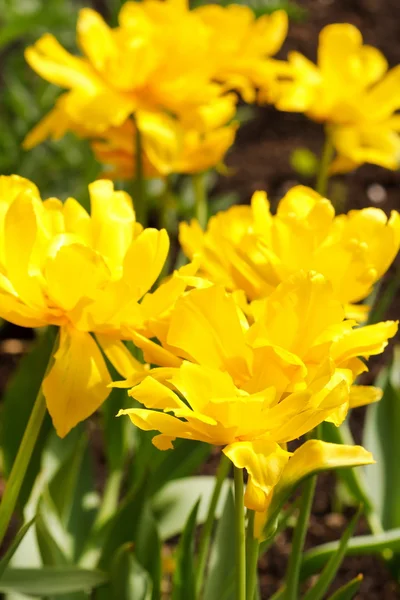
[
  {"x": 128, "y": 578},
  {"x": 381, "y": 437},
  {"x": 325, "y": 579},
  {"x": 172, "y": 504},
  {"x": 51, "y": 580},
  {"x": 314, "y": 559},
  {"x": 14, "y": 545},
  {"x": 18, "y": 401},
  {"x": 220, "y": 578},
  {"x": 148, "y": 550},
  {"x": 348, "y": 590},
  {"x": 186, "y": 457},
  {"x": 184, "y": 582}
]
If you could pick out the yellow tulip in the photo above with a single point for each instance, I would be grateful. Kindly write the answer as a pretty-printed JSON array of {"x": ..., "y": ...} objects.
[
  {"x": 253, "y": 387},
  {"x": 87, "y": 275},
  {"x": 139, "y": 64},
  {"x": 247, "y": 248},
  {"x": 241, "y": 60},
  {"x": 163, "y": 58},
  {"x": 168, "y": 147},
  {"x": 351, "y": 90}
]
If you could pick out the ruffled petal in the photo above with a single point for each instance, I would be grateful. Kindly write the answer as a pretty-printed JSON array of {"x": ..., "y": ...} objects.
[
  {"x": 77, "y": 382},
  {"x": 264, "y": 461}
]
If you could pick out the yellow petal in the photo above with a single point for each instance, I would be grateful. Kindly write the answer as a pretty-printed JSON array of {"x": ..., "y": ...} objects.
[
  {"x": 206, "y": 326},
  {"x": 167, "y": 425},
  {"x": 113, "y": 220},
  {"x": 153, "y": 394},
  {"x": 313, "y": 456},
  {"x": 52, "y": 62},
  {"x": 154, "y": 353},
  {"x": 264, "y": 461},
  {"x": 75, "y": 273},
  {"x": 77, "y": 383},
  {"x": 364, "y": 341},
  {"x": 23, "y": 231},
  {"x": 120, "y": 357},
  {"x": 360, "y": 395},
  {"x": 144, "y": 260},
  {"x": 95, "y": 38},
  {"x": 199, "y": 385}
]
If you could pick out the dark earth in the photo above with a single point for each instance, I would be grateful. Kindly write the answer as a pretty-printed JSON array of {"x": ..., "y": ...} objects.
[{"x": 261, "y": 160}]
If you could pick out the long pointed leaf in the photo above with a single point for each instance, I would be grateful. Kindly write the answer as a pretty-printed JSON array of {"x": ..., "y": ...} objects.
[
  {"x": 315, "y": 559},
  {"x": 14, "y": 545},
  {"x": 348, "y": 590},
  {"x": 51, "y": 581},
  {"x": 184, "y": 582},
  {"x": 328, "y": 574}
]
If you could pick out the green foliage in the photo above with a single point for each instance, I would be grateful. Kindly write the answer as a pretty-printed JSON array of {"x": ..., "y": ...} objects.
[
  {"x": 53, "y": 581},
  {"x": 221, "y": 574},
  {"x": 381, "y": 437},
  {"x": 184, "y": 587},
  {"x": 347, "y": 591},
  {"x": 328, "y": 574},
  {"x": 18, "y": 401}
]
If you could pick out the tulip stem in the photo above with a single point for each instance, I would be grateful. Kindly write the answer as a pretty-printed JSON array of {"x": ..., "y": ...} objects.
[
  {"x": 140, "y": 197},
  {"x": 21, "y": 463},
  {"x": 252, "y": 551},
  {"x": 204, "y": 544},
  {"x": 24, "y": 454},
  {"x": 325, "y": 162},
  {"x": 299, "y": 536},
  {"x": 200, "y": 198},
  {"x": 240, "y": 535}
]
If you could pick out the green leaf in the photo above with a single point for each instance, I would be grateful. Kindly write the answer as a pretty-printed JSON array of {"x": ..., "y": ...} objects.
[
  {"x": 51, "y": 551},
  {"x": 52, "y": 581},
  {"x": 381, "y": 437},
  {"x": 186, "y": 457},
  {"x": 121, "y": 529},
  {"x": 184, "y": 582},
  {"x": 171, "y": 505},
  {"x": 128, "y": 578},
  {"x": 14, "y": 545},
  {"x": 328, "y": 574},
  {"x": 315, "y": 559},
  {"x": 148, "y": 549},
  {"x": 348, "y": 590},
  {"x": 18, "y": 401},
  {"x": 220, "y": 579}
]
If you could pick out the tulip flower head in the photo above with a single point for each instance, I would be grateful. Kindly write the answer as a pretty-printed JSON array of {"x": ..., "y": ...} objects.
[
  {"x": 85, "y": 274},
  {"x": 252, "y": 388},
  {"x": 168, "y": 147},
  {"x": 248, "y": 248},
  {"x": 162, "y": 58},
  {"x": 351, "y": 91}
]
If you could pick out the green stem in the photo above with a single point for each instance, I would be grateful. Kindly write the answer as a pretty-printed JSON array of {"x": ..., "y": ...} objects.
[
  {"x": 299, "y": 536},
  {"x": 201, "y": 210},
  {"x": 240, "y": 536},
  {"x": 140, "y": 197},
  {"x": 326, "y": 159},
  {"x": 21, "y": 463},
  {"x": 204, "y": 543},
  {"x": 252, "y": 551}
]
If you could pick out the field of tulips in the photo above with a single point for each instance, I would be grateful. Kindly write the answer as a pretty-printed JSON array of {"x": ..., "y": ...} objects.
[{"x": 199, "y": 293}]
